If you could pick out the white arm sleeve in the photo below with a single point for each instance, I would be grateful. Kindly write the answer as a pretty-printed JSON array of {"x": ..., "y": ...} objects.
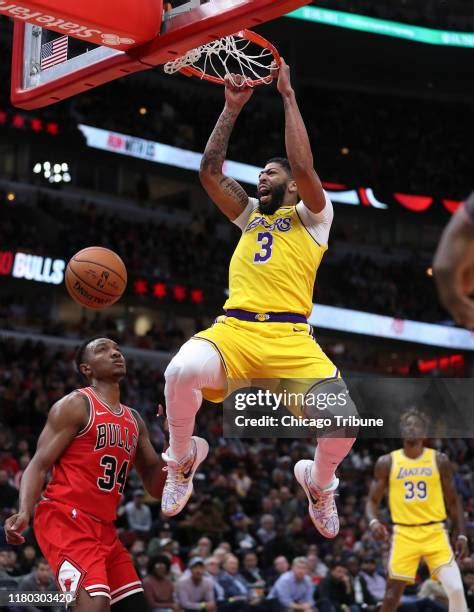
[
  {"x": 317, "y": 224},
  {"x": 242, "y": 219}
]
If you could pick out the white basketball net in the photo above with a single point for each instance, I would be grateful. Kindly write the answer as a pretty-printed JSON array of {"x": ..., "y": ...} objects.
[{"x": 227, "y": 56}]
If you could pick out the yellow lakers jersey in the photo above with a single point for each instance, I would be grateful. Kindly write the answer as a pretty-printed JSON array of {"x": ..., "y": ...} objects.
[
  {"x": 415, "y": 491},
  {"x": 273, "y": 268}
]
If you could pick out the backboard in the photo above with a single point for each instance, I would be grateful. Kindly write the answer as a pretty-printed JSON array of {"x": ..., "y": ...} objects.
[{"x": 55, "y": 57}]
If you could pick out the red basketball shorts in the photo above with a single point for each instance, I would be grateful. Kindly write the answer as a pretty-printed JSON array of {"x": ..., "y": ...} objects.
[{"x": 84, "y": 553}]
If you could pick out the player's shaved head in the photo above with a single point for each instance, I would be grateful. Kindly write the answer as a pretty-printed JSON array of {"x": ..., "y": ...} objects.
[{"x": 81, "y": 352}]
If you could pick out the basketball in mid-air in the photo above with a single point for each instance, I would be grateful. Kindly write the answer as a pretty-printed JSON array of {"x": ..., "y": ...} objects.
[{"x": 96, "y": 277}]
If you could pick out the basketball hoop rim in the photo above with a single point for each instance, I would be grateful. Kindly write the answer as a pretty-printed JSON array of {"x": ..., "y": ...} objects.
[{"x": 251, "y": 36}]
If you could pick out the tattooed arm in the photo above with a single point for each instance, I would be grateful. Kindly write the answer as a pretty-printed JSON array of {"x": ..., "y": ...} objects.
[{"x": 227, "y": 194}]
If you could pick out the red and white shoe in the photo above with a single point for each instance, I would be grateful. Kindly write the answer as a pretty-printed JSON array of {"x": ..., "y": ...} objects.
[
  {"x": 322, "y": 507},
  {"x": 179, "y": 481}
]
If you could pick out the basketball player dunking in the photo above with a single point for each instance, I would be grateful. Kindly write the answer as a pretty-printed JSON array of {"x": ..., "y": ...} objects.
[
  {"x": 264, "y": 333},
  {"x": 420, "y": 487},
  {"x": 91, "y": 441}
]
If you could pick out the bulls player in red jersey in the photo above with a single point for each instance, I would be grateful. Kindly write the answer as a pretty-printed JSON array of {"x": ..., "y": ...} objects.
[{"x": 90, "y": 441}]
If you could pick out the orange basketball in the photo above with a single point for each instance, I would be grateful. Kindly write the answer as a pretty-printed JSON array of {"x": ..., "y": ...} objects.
[{"x": 96, "y": 277}]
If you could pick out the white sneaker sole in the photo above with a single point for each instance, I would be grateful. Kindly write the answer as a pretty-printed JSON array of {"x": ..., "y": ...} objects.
[
  {"x": 202, "y": 450},
  {"x": 299, "y": 471}
]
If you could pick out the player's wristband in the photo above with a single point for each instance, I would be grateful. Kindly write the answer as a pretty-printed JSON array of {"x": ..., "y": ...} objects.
[
  {"x": 461, "y": 536},
  {"x": 374, "y": 520}
]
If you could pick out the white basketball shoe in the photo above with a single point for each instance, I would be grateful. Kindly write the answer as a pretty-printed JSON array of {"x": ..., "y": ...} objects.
[
  {"x": 179, "y": 481},
  {"x": 322, "y": 507}
]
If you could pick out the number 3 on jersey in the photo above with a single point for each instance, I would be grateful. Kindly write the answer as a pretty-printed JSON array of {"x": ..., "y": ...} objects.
[{"x": 265, "y": 240}]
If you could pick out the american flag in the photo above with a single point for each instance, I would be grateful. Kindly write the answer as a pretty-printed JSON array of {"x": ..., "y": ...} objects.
[{"x": 54, "y": 52}]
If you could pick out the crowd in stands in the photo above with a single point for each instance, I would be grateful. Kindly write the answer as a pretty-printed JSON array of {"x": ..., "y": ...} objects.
[
  {"x": 401, "y": 289},
  {"x": 197, "y": 254},
  {"x": 416, "y": 146},
  {"x": 352, "y": 355},
  {"x": 245, "y": 541}
]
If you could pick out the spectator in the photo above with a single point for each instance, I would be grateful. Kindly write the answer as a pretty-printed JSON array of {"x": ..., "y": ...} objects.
[
  {"x": 279, "y": 567},
  {"x": 40, "y": 579},
  {"x": 293, "y": 589},
  {"x": 241, "y": 480},
  {"x": 22, "y": 448},
  {"x": 204, "y": 548},
  {"x": 433, "y": 590},
  {"x": 8, "y": 462},
  {"x": 212, "y": 566},
  {"x": 196, "y": 592},
  {"x": 27, "y": 560},
  {"x": 279, "y": 545},
  {"x": 8, "y": 494},
  {"x": 137, "y": 547},
  {"x": 362, "y": 596},
  {"x": 167, "y": 546},
  {"x": 288, "y": 504},
  {"x": 139, "y": 514},
  {"x": 243, "y": 537},
  {"x": 468, "y": 581},
  {"x": 317, "y": 570},
  {"x": 374, "y": 581},
  {"x": 4, "y": 565},
  {"x": 234, "y": 584},
  {"x": 9, "y": 562},
  {"x": 336, "y": 592},
  {"x": 220, "y": 554},
  {"x": 207, "y": 518},
  {"x": 159, "y": 590},
  {"x": 23, "y": 463},
  {"x": 141, "y": 561},
  {"x": 266, "y": 531},
  {"x": 252, "y": 574}
]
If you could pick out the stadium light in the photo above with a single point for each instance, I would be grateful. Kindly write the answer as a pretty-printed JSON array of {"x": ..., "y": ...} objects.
[{"x": 53, "y": 172}]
